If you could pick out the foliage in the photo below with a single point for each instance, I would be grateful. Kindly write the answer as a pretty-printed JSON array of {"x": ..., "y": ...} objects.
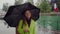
[
  {"x": 5, "y": 6},
  {"x": 31, "y": 1},
  {"x": 17, "y": 2},
  {"x": 58, "y": 4},
  {"x": 44, "y": 6}
]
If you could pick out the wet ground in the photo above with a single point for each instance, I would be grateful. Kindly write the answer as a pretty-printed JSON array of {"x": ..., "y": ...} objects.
[
  {"x": 11, "y": 30},
  {"x": 4, "y": 29},
  {"x": 43, "y": 21}
]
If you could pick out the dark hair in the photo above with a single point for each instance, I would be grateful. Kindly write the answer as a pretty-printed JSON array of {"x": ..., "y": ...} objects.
[
  {"x": 25, "y": 19},
  {"x": 25, "y": 11}
]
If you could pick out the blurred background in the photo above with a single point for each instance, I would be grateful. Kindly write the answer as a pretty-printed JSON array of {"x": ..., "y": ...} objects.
[{"x": 49, "y": 15}]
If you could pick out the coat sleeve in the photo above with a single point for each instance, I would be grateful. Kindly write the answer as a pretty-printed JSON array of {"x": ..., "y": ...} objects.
[
  {"x": 34, "y": 29},
  {"x": 20, "y": 30}
]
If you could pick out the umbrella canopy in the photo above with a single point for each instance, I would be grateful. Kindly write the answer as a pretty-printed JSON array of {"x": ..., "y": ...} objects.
[
  {"x": 14, "y": 13},
  {"x": 9, "y": 16}
]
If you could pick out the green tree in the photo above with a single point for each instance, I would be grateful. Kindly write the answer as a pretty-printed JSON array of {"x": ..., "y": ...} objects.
[
  {"x": 44, "y": 6},
  {"x": 31, "y": 1},
  {"x": 58, "y": 4},
  {"x": 17, "y": 2},
  {"x": 5, "y": 6}
]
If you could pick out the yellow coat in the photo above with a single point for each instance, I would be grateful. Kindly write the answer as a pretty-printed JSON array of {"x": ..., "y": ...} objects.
[{"x": 31, "y": 29}]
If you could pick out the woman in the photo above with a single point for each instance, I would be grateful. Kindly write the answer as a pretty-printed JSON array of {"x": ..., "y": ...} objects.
[{"x": 27, "y": 24}]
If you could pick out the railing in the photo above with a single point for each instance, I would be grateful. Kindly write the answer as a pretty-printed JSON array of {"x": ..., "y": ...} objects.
[{"x": 50, "y": 14}]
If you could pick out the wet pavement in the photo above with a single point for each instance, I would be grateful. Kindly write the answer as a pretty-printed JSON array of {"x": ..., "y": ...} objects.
[
  {"x": 4, "y": 29},
  {"x": 11, "y": 30}
]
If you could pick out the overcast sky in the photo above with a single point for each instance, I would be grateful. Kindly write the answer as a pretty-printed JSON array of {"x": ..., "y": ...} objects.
[{"x": 10, "y": 2}]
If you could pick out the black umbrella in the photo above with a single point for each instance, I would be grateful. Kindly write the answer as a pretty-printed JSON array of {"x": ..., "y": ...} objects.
[
  {"x": 35, "y": 14},
  {"x": 9, "y": 16},
  {"x": 14, "y": 13}
]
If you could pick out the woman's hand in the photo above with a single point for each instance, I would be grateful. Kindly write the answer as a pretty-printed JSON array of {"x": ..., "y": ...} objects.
[{"x": 25, "y": 30}]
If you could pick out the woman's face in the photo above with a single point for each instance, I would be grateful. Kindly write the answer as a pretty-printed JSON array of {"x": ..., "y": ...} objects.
[{"x": 28, "y": 14}]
